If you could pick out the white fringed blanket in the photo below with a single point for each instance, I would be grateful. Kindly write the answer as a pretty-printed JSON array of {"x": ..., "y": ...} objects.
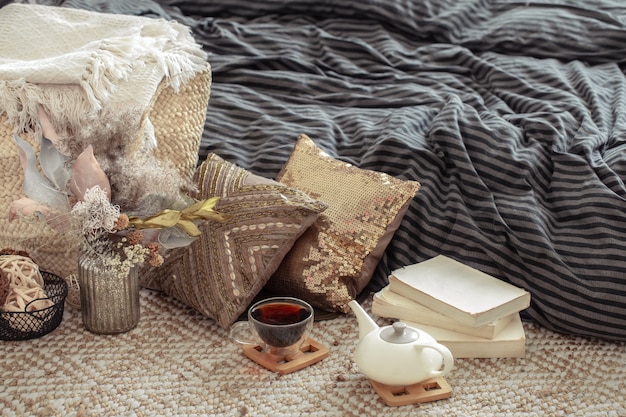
[{"x": 76, "y": 62}]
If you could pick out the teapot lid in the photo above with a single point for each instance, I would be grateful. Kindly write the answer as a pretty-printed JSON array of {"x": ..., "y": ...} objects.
[{"x": 399, "y": 332}]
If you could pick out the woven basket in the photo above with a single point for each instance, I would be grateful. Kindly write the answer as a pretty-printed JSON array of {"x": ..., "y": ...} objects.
[{"x": 178, "y": 120}]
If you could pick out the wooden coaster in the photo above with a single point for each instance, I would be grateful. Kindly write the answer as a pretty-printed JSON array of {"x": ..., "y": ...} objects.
[
  {"x": 426, "y": 391},
  {"x": 310, "y": 353}
]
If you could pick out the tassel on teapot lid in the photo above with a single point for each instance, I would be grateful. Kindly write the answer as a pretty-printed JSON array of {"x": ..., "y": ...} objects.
[{"x": 398, "y": 355}]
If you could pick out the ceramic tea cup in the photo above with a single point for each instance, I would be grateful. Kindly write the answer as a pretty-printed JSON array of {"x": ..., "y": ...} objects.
[{"x": 279, "y": 325}]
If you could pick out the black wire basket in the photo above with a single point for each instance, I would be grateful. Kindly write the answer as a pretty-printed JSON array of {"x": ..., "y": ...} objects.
[{"x": 24, "y": 325}]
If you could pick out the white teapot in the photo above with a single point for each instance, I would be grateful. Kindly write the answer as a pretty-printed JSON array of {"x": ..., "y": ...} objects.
[{"x": 398, "y": 355}]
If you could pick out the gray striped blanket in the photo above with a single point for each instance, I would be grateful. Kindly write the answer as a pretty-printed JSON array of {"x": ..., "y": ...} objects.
[{"x": 511, "y": 114}]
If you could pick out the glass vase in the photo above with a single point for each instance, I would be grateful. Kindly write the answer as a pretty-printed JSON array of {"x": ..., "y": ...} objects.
[{"x": 109, "y": 301}]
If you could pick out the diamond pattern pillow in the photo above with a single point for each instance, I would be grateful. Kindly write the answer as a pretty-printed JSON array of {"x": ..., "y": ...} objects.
[
  {"x": 220, "y": 273},
  {"x": 333, "y": 261}
]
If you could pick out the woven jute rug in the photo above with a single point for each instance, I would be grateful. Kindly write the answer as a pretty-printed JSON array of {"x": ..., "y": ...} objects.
[{"x": 178, "y": 363}]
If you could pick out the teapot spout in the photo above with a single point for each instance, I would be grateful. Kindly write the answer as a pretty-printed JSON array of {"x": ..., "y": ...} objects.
[{"x": 366, "y": 323}]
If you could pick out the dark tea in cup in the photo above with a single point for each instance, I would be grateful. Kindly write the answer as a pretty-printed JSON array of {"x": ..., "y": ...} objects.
[
  {"x": 280, "y": 313},
  {"x": 280, "y": 323}
]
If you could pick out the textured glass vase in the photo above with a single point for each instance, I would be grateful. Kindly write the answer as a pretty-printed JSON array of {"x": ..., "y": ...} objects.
[{"x": 109, "y": 301}]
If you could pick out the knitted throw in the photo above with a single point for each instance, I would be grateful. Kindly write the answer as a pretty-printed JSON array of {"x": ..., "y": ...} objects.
[{"x": 76, "y": 62}]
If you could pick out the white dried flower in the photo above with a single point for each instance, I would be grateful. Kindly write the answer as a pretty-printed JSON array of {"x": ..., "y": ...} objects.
[{"x": 97, "y": 216}]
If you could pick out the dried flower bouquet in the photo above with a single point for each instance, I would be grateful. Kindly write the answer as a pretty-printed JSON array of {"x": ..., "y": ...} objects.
[{"x": 124, "y": 205}]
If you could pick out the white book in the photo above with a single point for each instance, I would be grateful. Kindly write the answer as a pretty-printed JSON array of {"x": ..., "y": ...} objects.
[
  {"x": 509, "y": 343},
  {"x": 389, "y": 304},
  {"x": 458, "y": 291}
]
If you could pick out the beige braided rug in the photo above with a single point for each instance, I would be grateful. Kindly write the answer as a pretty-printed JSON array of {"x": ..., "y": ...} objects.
[{"x": 177, "y": 363}]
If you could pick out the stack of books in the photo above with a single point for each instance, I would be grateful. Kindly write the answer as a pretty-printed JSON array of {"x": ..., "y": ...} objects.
[{"x": 473, "y": 314}]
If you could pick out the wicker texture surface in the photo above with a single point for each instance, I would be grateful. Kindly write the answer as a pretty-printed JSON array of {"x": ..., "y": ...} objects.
[{"x": 178, "y": 120}]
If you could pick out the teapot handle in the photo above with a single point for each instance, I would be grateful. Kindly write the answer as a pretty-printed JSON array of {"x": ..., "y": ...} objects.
[{"x": 446, "y": 355}]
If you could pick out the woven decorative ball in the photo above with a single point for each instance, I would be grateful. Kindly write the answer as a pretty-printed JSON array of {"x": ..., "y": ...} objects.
[
  {"x": 32, "y": 324},
  {"x": 4, "y": 288},
  {"x": 31, "y": 301}
]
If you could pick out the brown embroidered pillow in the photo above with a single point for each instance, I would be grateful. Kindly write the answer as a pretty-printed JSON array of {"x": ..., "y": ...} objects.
[
  {"x": 335, "y": 258},
  {"x": 220, "y": 273}
]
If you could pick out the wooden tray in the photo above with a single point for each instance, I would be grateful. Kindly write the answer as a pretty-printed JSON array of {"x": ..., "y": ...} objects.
[
  {"x": 310, "y": 353},
  {"x": 426, "y": 391}
]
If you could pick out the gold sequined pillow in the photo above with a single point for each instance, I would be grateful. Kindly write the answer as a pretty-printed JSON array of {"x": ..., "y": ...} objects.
[
  {"x": 220, "y": 273},
  {"x": 333, "y": 261}
]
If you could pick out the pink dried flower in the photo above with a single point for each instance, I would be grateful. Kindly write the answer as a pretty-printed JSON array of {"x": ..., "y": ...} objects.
[
  {"x": 86, "y": 174},
  {"x": 155, "y": 259},
  {"x": 153, "y": 247},
  {"x": 122, "y": 222},
  {"x": 134, "y": 237}
]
